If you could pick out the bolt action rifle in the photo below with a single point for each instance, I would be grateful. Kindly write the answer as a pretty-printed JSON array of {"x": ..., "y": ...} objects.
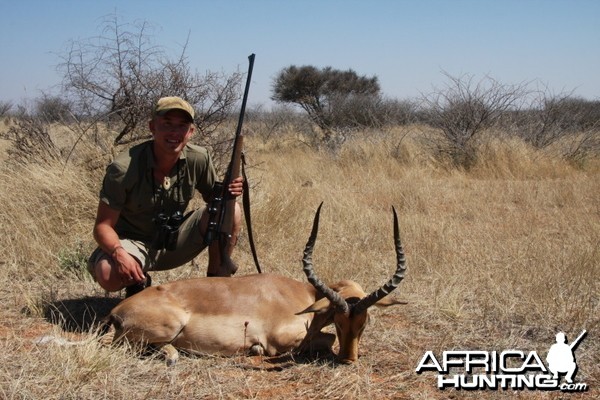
[{"x": 222, "y": 208}]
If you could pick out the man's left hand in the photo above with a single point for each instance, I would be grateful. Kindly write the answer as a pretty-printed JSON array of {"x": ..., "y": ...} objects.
[{"x": 236, "y": 187}]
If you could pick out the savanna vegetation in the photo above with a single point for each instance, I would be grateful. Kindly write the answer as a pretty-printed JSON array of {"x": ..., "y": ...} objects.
[
  {"x": 496, "y": 187},
  {"x": 500, "y": 256}
]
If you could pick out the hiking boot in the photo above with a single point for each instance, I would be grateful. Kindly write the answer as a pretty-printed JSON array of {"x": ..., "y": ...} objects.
[{"x": 138, "y": 287}]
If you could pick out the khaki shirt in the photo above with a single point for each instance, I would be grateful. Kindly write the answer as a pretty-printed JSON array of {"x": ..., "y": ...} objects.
[{"x": 129, "y": 187}]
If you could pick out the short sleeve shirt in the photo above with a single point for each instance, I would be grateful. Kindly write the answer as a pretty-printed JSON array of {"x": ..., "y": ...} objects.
[{"x": 129, "y": 187}]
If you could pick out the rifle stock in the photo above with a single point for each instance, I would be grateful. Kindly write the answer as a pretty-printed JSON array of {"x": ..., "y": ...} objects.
[
  {"x": 228, "y": 208},
  {"x": 226, "y": 225}
]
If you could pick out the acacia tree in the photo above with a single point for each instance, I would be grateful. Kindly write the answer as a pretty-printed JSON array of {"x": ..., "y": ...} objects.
[
  {"x": 323, "y": 93},
  {"x": 560, "y": 118},
  {"x": 52, "y": 108},
  {"x": 551, "y": 117},
  {"x": 121, "y": 73},
  {"x": 464, "y": 109},
  {"x": 5, "y": 107}
]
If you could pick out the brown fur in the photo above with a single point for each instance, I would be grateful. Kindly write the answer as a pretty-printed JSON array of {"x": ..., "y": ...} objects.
[{"x": 262, "y": 313}]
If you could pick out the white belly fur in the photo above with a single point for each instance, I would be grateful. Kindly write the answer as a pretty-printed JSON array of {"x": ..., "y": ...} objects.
[{"x": 227, "y": 335}]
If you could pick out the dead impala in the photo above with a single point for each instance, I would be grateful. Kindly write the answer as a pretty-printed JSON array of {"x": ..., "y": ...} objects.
[{"x": 259, "y": 314}]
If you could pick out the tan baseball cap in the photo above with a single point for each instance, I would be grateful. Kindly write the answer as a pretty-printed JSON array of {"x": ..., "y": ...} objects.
[{"x": 166, "y": 104}]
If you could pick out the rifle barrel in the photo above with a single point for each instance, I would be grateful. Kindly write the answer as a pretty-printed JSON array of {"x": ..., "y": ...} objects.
[{"x": 246, "y": 90}]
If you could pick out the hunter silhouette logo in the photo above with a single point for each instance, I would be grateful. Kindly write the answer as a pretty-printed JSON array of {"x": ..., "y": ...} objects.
[
  {"x": 507, "y": 369},
  {"x": 560, "y": 357}
]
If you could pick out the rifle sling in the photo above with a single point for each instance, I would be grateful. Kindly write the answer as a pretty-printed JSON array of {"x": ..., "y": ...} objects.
[{"x": 246, "y": 205}]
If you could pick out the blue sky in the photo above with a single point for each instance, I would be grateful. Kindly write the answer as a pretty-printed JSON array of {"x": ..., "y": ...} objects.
[{"x": 406, "y": 44}]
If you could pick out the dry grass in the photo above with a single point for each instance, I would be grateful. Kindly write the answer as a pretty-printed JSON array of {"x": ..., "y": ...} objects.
[{"x": 500, "y": 257}]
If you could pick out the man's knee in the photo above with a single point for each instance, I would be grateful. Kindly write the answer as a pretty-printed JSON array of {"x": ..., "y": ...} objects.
[{"x": 105, "y": 276}]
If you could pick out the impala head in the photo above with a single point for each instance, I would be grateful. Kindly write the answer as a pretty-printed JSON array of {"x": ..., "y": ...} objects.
[{"x": 345, "y": 302}]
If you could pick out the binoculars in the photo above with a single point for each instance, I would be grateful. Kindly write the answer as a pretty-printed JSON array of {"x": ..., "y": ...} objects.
[{"x": 167, "y": 231}]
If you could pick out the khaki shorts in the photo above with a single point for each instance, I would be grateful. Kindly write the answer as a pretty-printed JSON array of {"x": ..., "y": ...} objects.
[{"x": 189, "y": 244}]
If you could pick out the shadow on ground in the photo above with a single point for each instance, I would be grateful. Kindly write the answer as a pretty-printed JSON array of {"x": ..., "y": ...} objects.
[{"x": 79, "y": 315}]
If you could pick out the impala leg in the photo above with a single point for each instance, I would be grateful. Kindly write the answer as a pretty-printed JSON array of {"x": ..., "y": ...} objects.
[
  {"x": 108, "y": 338},
  {"x": 170, "y": 353}
]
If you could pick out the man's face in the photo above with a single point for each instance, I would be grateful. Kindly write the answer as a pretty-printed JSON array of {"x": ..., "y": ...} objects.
[{"x": 171, "y": 131}]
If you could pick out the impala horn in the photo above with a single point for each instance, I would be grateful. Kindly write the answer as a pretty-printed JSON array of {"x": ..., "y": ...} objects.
[
  {"x": 393, "y": 283},
  {"x": 337, "y": 300}
]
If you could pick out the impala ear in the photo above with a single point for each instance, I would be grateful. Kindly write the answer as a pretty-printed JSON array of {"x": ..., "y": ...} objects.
[{"x": 318, "y": 307}]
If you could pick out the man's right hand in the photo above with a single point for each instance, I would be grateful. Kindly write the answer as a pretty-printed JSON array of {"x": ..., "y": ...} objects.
[
  {"x": 124, "y": 266},
  {"x": 127, "y": 267}
]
